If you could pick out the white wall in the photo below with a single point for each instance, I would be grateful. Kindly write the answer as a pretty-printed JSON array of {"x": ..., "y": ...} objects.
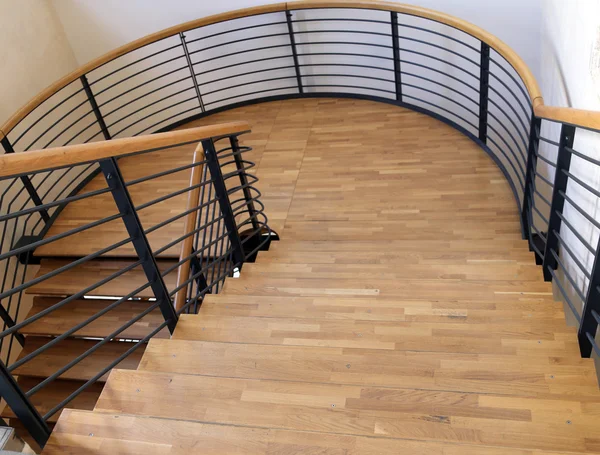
[
  {"x": 94, "y": 27},
  {"x": 34, "y": 52}
]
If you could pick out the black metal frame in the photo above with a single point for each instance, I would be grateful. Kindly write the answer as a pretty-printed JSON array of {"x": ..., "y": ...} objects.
[{"x": 474, "y": 90}]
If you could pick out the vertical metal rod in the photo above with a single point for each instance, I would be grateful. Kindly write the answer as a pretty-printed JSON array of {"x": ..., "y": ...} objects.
[
  {"x": 484, "y": 83},
  {"x": 192, "y": 73},
  {"x": 122, "y": 198},
  {"x": 532, "y": 148},
  {"x": 235, "y": 147},
  {"x": 8, "y": 148},
  {"x": 563, "y": 162},
  {"x": 589, "y": 324},
  {"x": 95, "y": 107},
  {"x": 22, "y": 407},
  {"x": 224, "y": 202},
  {"x": 288, "y": 15},
  {"x": 396, "y": 48}
]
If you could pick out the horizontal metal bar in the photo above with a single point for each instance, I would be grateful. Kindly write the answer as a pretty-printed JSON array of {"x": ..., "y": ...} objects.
[
  {"x": 519, "y": 85},
  {"x": 76, "y": 328},
  {"x": 252, "y": 93},
  {"x": 566, "y": 247},
  {"x": 512, "y": 108},
  {"x": 564, "y": 294},
  {"x": 70, "y": 126},
  {"x": 347, "y": 54},
  {"x": 155, "y": 113},
  {"x": 48, "y": 205},
  {"x": 582, "y": 156},
  {"x": 208, "y": 287},
  {"x": 76, "y": 296},
  {"x": 235, "y": 30},
  {"x": 548, "y": 141},
  {"x": 374, "y": 78},
  {"x": 364, "y": 32},
  {"x": 510, "y": 162},
  {"x": 433, "y": 92},
  {"x": 114, "y": 363},
  {"x": 524, "y": 141},
  {"x": 196, "y": 253},
  {"x": 349, "y": 43},
  {"x": 62, "y": 235},
  {"x": 350, "y": 86},
  {"x": 545, "y": 160},
  {"x": 231, "y": 54},
  {"x": 545, "y": 180},
  {"x": 211, "y": 92},
  {"x": 520, "y": 162},
  {"x": 163, "y": 173},
  {"x": 592, "y": 341},
  {"x": 242, "y": 40},
  {"x": 136, "y": 74},
  {"x": 475, "y": 49},
  {"x": 146, "y": 82},
  {"x": 59, "y": 270},
  {"x": 541, "y": 196},
  {"x": 584, "y": 242},
  {"x": 526, "y": 111},
  {"x": 326, "y": 19},
  {"x": 135, "y": 62},
  {"x": 542, "y": 216},
  {"x": 580, "y": 210},
  {"x": 90, "y": 351},
  {"x": 176, "y": 217},
  {"x": 197, "y": 274},
  {"x": 276, "y": 68},
  {"x": 581, "y": 183},
  {"x": 445, "y": 62},
  {"x": 171, "y": 195},
  {"x": 186, "y": 235},
  {"x": 195, "y": 108},
  {"x": 471, "y": 124},
  {"x": 433, "y": 81},
  {"x": 568, "y": 275},
  {"x": 146, "y": 106},
  {"x": 247, "y": 62}
]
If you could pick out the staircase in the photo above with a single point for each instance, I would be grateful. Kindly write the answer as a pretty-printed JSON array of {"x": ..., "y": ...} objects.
[{"x": 378, "y": 324}]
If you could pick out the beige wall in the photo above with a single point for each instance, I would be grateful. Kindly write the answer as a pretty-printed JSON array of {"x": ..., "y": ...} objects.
[{"x": 34, "y": 52}]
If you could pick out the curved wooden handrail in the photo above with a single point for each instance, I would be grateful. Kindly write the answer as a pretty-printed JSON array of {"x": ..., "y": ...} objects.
[
  {"x": 586, "y": 119},
  {"x": 40, "y": 160}
]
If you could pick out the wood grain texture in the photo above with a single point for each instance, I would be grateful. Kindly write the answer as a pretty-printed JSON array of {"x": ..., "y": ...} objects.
[
  {"x": 80, "y": 432},
  {"x": 400, "y": 313},
  {"x": 68, "y": 316},
  {"x": 70, "y": 155}
]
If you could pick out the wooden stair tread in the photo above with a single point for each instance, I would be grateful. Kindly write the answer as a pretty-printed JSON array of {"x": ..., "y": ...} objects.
[
  {"x": 55, "y": 392},
  {"x": 473, "y": 373},
  {"x": 59, "y": 355},
  {"x": 80, "y": 277},
  {"x": 375, "y": 308},
  {"x": 68, "y": 316},
  {"x": 122, "y": 433},
  {"x": 367, "y": 411},
  {"x": 526, "y": 339}
]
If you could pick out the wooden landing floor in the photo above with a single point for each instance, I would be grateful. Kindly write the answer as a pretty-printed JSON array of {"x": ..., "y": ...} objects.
[{"x": 400, "y": 313}]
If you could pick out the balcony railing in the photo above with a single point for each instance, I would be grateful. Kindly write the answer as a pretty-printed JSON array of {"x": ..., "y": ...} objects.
[{"x": 407, "y": 56}]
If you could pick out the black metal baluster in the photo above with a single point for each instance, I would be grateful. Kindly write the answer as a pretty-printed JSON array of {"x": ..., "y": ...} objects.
[
  {"x": 591, "y": 310},
  {"x": 224, "y": 202},
  {"x": 288, "y": 15},
  {"x": 95, "y": 107},
  {"x": 563, "y": 163},
  {"x": 191, "y": 68},
  {"x": 23, "y": 408},
  {"x": 532, "y": 148},
  {"x": 484, "y": 83},
  {"x": 122, "y": 198},
  {"x": 27, "y": 182},
  {"x": 396, "y": 50}
]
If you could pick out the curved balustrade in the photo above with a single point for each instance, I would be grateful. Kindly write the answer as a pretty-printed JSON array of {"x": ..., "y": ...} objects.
[{"x": 408, "y": 56}]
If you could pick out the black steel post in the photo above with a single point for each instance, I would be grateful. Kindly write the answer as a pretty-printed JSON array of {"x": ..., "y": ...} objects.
[
  {"x": 224, "y": 202},
  {"x": 122, "y": 198},
  {"x": 8, "y": 148},
  {"x": 95, "y": 108},
  {"x": 484, "y": 84},
  {"x": 563, "y": 162},
  {"x": 396, "y": 50},
  {"x": 16, "y": 400},
  {"x": 532, "y": 148},
  {"x": 591, "y": 310},
  {"x": 235, "y": 147},
  {"x": 288, "y": 15},
  {"x": 192, "y": 73}
]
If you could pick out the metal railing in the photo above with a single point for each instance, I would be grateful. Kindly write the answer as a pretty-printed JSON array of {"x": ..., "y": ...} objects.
[
  {"x": 227, "y": 204},
  {"x": 412, "y": 58}
]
